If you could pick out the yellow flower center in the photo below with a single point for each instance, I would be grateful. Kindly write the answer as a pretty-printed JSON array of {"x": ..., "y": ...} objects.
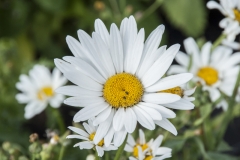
[
  {"x": 148, "y": 158},
  {"x": 123, "y": 90},
  {"x": 176, "y": 90},
  {"x": 208, "y": 74},
  {"x": 91, "y": 137},
  {"x": 237, "y": 15},
  {"x": 135, "y": 149},
  {"x": 45, "y": 92}
]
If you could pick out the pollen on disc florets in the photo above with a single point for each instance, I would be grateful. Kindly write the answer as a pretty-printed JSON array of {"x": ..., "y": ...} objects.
[
  {"x": 237, "y": 15},
  {"x": 135, "y": 149},
  {"x": 91, "y": 137},
  {"x": 208, "y": 74},
  {"x": 123, "y": 90},
  {"x": 176, "y": 90},
  {"x": 45, "y": 92}
]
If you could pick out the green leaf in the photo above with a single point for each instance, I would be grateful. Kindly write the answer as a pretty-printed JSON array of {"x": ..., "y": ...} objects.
[
  {"x": 205, "y": 112},
  {"x": 220, "y": 156},
  {"x": 187, "y": 15},
  {"x": 223, "y": 146}
]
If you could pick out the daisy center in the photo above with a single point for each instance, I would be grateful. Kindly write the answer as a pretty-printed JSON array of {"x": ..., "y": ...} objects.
[
  {"x": 176, "y": 90},
  {"x": 45, "y": 92},
  {"x": 208, "y": 74},
  {"x": 148, "y": 158},
  {"x": 135, "y": 149},
  {"x": 237, "y": 15},
  {"x": 91, "y": 137},
  {"x": 123, "y": 90}
]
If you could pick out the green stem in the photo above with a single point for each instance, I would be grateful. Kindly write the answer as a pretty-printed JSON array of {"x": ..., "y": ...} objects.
[
  {"x": 230, "y": 110},
  {"x": 59, "y": 120},
  {"x": 120, "y": 149},
  {"x": 114, "y": 6},
  {"x": 151, "y": 9},
  {"x": 96, "y": 156},
  {"x": 218, "y": 41},
  {"x": 61, "y": 153},
  {"x": 107, "y": 157}
]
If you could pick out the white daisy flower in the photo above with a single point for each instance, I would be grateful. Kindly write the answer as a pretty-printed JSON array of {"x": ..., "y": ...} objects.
[
  {"x": 231, "y": 23},
  {"x": 143, "y": 150},
  {"x": 118, "y": 77},
  {"x": 38, "y": 90},
  {"x": 216, "y": 71},
  {"x": 185, "y": 102},
  {"x": 88, "y": 137}
]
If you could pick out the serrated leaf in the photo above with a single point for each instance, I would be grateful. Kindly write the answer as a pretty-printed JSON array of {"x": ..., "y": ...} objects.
[{"x": 187, "y": 15}]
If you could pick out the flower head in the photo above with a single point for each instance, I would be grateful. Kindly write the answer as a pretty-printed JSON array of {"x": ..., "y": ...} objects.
[
  {"x": 231, "y": 23},
  {"x": 216, "y": 70},
  {"x": 119, "y": 78},
  {"x": 88, "y": 137},
  {"x": 142, "y": 150},
  {"x": 38, "y": 90}
]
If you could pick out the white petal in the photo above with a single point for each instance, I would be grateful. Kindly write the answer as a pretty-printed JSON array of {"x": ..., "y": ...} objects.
[
  {"x": 85, "y": 68},
  {"x": 205, "y": 53},
  {"x": 77, "y": 91},
  {"x": 141, "y": 137},
  {"x": 83, "y": 81},
  {"x": 151, "y": 111},
  {"x": 214, "y": 94},
  {"x": 101, "y": 29},
  {"x": 157, "y": 142},
  {"x": 175, "y": 69},
  {"x": 160, "y": 98},
  {"x": 90, "y": 111},
  {"x": 83, "y": 101},
  {"x": 75, "y": 47},
  {"x": 150, "y": 48},
  {"x": 144, "y": 118},
  {"x": 166, "y": 124},
  {"x": 103, "y": 128},
  {"x": 100, "y": 151},
  {"x": 88, "y": 44},
  {"x": 23, "y": 98},
  {"x": 109, "y": 136},
  {"x": 182, "y": 104},
  {"x": 77, "y": 137},
  {"x": 130, "y": 120},
  {"x": 163, "y": 150},
  {"x": 102, "y": 116},
  {"x": 189, "y": 91},
  {"x": 191, "y": 48},
  {"x": 133, "y": 58},
  {"x": 116, "y": 48},
  {"x": 182, "y": 59},
  {"x": 118, "y": 119},
  {"x": 128, "y": 148},
  {"x": 85, "y": 145},
  {"x": 119, "y": 137},
  {"x": 161, "y": 65},
  {"x": 170, "y": 82},
  {"x": 79, "y": 131},
  {"x": 165, "y": 112},
  {"x": 104, "y": 54},
  {"x": 215, "y": 5},
  {"x": 131, "y": 140}
]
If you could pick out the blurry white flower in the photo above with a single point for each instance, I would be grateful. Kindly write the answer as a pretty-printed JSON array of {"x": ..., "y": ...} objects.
[
  {"x": 231, "y": 23},
  {"x": 118, "y": 77},
  {"x": 38, "y": 90},
  {"x": 216, "y": 71},
  {"x": 143, "y": 150},
  {"x": 88, "y": 137},
  {"x": 185, "y": 102},
  {"x": 90, "y": 157}
]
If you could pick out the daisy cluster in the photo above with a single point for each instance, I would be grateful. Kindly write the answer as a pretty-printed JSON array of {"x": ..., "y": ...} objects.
[
  {"x": 231, "y": 23},
  {"x": 119, "y": 81}
]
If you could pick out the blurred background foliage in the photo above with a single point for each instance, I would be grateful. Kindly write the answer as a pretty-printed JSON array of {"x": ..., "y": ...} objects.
[{"x": 34, "y": 31}]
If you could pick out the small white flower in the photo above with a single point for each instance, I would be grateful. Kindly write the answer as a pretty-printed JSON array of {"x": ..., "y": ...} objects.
[
  {"x": 118, "y": 77},
  {"x": 216, "y": 70},
  {"x": 143, "y": 150},
  {"x": 88, "y": 137},
  {"x": 231, "y": 23},
  {"x": 38, "y": 90}
]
